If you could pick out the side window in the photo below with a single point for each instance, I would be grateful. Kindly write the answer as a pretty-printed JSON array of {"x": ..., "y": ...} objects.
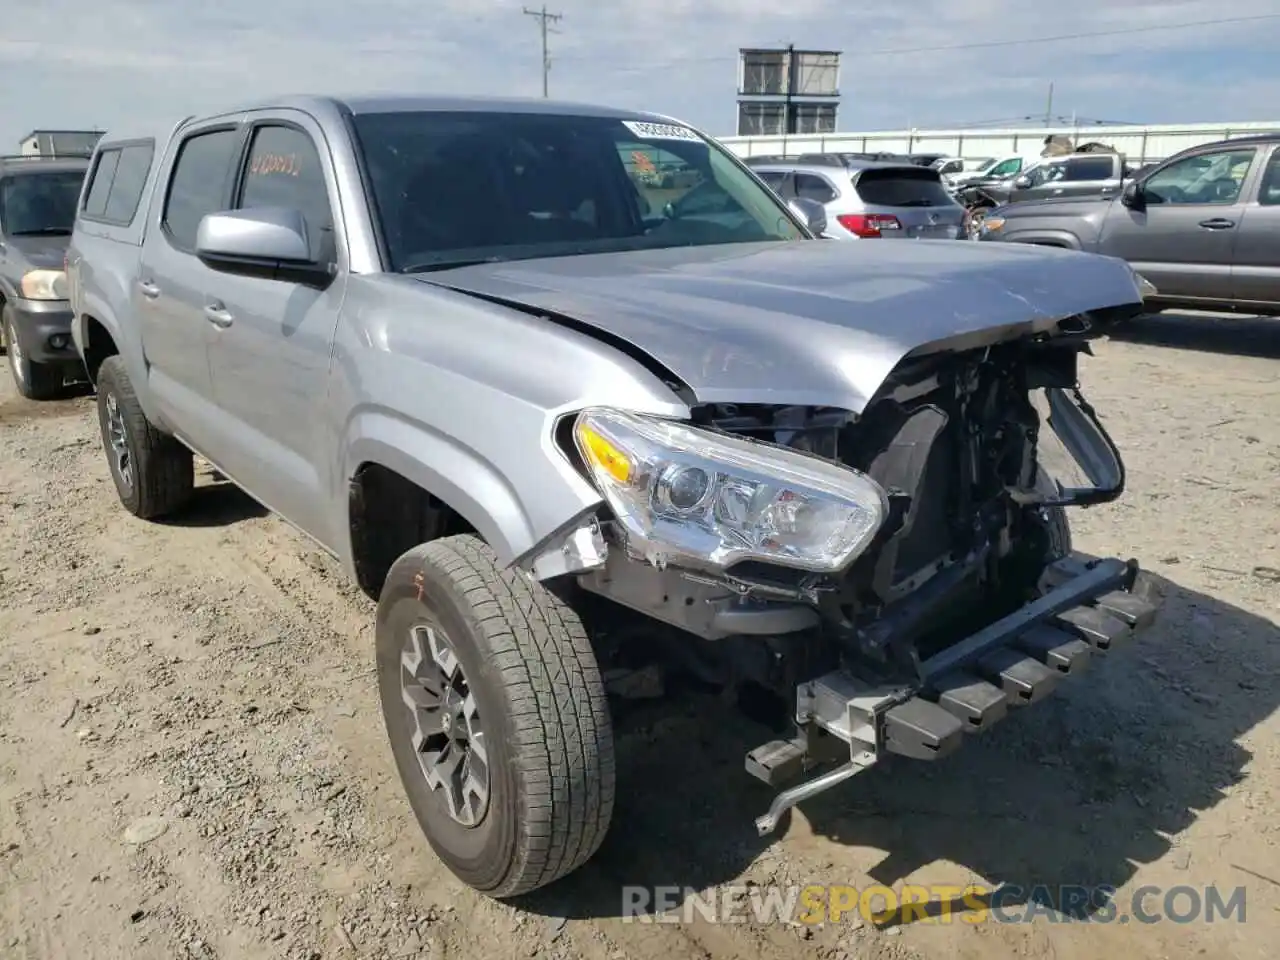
[
  {"x": 1269, "y": 189},
  {"x": 809, "y": 187},
  {"x": 1006, "y": 168},
  {"x": 104, "y": 171},
  {"x": 773, "y": 179},
  {"x": 1089, "y": 168},
  {"x": 285, "y": 171},
  {"x": 1205, "y": 178},
  {"x": 197, "y": 186},
  {"x": 130, "y": 179}
]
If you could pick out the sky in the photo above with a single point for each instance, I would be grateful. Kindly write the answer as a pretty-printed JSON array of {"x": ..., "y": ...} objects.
[{"x": 130, "y": 64}]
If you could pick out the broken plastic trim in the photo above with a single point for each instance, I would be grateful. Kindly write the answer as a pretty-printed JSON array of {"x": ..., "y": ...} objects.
[{"x": 1076, "y": 424}]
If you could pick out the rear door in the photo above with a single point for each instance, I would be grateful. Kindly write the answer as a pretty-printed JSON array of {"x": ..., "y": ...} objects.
[
  {"x": 1255, "y": 272},
  {"x": 915, "y": 198},
  {"x": 1183, "y": 239},
  {"x": 172, "y": 284}
]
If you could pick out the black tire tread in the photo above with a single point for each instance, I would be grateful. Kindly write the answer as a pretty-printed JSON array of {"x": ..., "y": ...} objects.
[
  {"x": 559, "y": 710},
  {"x": 164, "y": 470}
]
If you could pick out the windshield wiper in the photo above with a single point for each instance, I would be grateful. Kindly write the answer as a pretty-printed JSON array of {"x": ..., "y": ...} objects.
[
  {"x": 42, "y": 232},
  {"x": 430, "y": 266}
]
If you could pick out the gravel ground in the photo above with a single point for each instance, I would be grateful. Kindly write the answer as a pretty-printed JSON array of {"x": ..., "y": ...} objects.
[{"x": 192, "y": 763}]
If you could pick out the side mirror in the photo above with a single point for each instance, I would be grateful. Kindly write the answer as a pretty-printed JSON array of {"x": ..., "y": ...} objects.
[
  {"x": 267, "y": 242},
  {"x": 1022, "y": 183},
  {"x": 1132, "y": 196},
  {"x": 811, "y": 213}
]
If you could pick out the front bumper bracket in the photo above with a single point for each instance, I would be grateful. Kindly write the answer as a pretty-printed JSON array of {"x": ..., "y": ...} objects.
[{"x": 1085, "y": 607}]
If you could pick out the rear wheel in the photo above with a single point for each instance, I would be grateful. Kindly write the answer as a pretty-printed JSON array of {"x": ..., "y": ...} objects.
[
  {"x": 154, "y": 474},
  {"x": 35, "y": 381},
  {"x": 497, "y": 717}
]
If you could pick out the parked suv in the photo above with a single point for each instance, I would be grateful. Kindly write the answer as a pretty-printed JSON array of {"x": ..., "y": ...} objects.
[
  {"x": 1203, "y": 226},
  {"x": 867, "y": 200},
  {"x": 37, "y": 210},
  {"x": 536, "y": 413}
]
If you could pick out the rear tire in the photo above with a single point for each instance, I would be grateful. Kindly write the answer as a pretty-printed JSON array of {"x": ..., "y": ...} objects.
[
  {"x": 154, "y": 474},
  {"x": 516, "y": 665},
  {"x": 35, "y": 381}
]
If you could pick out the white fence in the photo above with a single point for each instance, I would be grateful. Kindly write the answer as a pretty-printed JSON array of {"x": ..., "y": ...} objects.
[{"x": 1138, "y": 144}]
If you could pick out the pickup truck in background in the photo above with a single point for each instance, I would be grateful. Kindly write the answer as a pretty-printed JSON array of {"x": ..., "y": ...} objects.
[
  {"x": 1067, "y": 175},
  {"x": 540, "y": 407},
  {"x": 1203, "y": 227}
]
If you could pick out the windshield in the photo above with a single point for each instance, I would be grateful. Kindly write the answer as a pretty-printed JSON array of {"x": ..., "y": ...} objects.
[
  {"x": 457, "y": 187},
  {"x": 40, "y": 204}
]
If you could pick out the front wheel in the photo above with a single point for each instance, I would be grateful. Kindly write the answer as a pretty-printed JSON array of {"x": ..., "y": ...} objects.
[{"x": 497, "y": 717}]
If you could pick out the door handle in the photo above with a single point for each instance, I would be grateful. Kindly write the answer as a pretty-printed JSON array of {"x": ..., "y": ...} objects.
[
  {"x": 1057, "y": 189},
  {"x": 1218, "y": 223},
  {"x": 217, "y": 314},
  {"x": 149, "y": 289}
]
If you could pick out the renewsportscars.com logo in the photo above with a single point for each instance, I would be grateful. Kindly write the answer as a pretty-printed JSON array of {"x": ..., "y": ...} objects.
[{"x": 934, "y": 903}]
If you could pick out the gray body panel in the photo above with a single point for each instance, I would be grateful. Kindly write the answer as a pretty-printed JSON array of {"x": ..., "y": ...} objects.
[
  {"x": 805, "y": 323},
  {"x": 461, "y": 394}
]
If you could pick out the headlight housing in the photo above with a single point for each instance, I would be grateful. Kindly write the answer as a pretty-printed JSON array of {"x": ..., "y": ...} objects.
[
  {"x": 708, "y": 500},
  {"x": 44, "y": 285}
]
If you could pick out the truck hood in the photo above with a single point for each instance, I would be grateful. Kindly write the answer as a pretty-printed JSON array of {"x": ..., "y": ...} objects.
[
  {"x": 807, "y": 322},
  {"x": 45, "y": 253}
]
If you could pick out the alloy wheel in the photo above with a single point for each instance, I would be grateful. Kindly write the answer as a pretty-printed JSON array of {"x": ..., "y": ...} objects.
[{"x": 448, "y": 737}]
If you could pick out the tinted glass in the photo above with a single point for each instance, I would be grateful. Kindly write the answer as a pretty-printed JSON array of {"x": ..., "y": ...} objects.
[
  {"x": 104, "y": 171},
  {"x": 809, "y": 187},
  {"x": 198, "y": 184},
  {"x": 1269, "y": 189},
  {"x": 774, "y": 180},
  {"x": 40, "y": 204},
  {"x": 1089, "y": 168},
  {"x": 1005, "y": 168},
  {"x": 1205, "y": 178},
  {"x": 488, "y": 185},
  {"x": 902, "y": 188},
  {"x": 130, "y": 179},
  {"x": 284, "y": 171}
]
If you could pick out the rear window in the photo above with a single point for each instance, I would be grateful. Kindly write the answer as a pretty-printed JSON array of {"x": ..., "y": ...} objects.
[
  {"x": 1090, "y": 168},
  {"x": 116, "y": 182},
  {"x": 908, "y": 187}
]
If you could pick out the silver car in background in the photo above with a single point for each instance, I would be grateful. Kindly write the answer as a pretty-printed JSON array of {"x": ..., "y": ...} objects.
[{"x": 868, "y": 200}]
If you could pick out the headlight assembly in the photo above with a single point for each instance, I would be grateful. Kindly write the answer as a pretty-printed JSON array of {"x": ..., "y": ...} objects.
[
  {"x": 708, "y": 500},
  {"x": 44, "y": 285}
]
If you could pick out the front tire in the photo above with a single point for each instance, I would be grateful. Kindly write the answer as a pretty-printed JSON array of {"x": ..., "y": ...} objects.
[
  {"x": 154, "y": 474},
  {"x": 497, "y": 717},
  {"x": 35, "y": 381}
]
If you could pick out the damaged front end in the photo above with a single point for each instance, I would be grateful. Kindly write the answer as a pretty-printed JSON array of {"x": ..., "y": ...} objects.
[{"x": 900, "y": 577}]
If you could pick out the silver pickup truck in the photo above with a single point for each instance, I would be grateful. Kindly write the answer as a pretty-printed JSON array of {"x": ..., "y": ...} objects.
[{"x": 552, "y": 422}]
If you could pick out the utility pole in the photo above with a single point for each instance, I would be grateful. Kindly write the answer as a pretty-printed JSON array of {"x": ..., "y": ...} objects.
[
  {"x": 1048, "y": 110},
  {"x": 544, "y": 19}
]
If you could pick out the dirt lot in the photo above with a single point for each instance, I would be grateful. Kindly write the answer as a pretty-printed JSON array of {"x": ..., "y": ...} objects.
[{"x": 192, "y": 763}]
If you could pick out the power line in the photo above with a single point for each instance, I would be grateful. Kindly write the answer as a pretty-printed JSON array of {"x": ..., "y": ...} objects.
[
  {"x": 544, "y": 19},
  {"x": 982, "y": 44}
]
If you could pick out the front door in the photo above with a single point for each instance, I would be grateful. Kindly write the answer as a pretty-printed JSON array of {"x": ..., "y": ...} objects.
[
  {"x": 1183, "y": 237},
  {"x": 270, "y": 351},
  {"x": 169, "y": 294}
]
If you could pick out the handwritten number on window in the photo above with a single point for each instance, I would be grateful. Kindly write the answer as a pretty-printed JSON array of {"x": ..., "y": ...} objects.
[{"x": 268, "y": 164}]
